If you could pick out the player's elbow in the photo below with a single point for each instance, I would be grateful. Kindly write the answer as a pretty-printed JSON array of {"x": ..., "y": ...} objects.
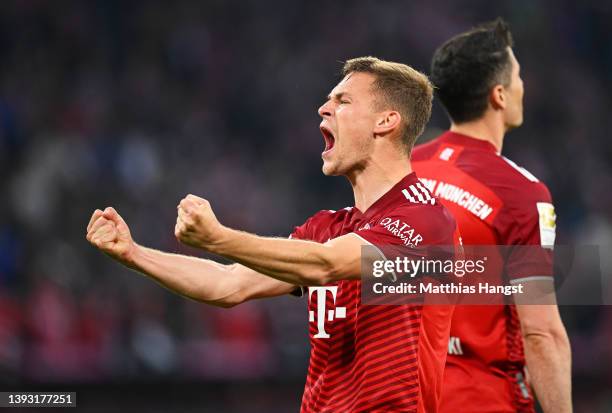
[
  {"x": 547, "y": 338},
  {"x": 230, "y": 299},
  {"x": 224, "y": 302},
  {"x": 314, "y": 276},
  {"x": 327, "y": 269},
  {"x": 228, "y": 303},
  {"x": 227, "y": 297}
]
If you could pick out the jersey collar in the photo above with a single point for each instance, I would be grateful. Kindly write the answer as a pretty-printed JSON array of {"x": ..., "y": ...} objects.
[{"x": 454, "y": 138}]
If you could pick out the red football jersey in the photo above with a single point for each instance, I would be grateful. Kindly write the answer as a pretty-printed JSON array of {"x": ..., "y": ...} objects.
[
  {"x": 377, "y": 358},
  {"x": 495, "y": 202}
]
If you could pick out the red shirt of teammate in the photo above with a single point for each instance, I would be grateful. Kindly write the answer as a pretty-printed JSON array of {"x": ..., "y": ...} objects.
[
  {"x": 374, "y": 358},
  {"x": 495, "y": 202}
]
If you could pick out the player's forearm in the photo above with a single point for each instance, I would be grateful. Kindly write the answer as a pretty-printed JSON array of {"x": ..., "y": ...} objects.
[
  {"x": 199, "y": 279},
  {"x": 548, "y": 357},
  {"x": 294, "y": 261}
]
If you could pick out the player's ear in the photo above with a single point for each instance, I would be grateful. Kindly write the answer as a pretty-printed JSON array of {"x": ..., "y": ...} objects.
[
  {"x": 497, "y": 97},
  {"x": 387, "y": 122}
]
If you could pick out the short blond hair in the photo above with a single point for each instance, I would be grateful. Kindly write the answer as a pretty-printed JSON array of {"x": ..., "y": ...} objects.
[{"x": 400, "y": 88}]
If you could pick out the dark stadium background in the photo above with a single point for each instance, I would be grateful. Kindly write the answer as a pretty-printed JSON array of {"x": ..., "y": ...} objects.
[{"x": 134, "y": 104}]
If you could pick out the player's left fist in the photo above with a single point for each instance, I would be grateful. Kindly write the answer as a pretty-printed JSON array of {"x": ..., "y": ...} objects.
[{"x": 196, "y": 224}]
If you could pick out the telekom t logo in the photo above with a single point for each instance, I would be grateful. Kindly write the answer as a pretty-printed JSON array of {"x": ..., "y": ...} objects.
[{"x": 339, "y": 312}]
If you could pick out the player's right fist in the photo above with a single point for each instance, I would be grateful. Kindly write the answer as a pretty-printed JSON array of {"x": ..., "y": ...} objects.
[{"x": 108, "y": 232}]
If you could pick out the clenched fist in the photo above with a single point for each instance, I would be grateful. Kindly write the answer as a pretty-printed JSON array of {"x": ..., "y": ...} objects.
[
  {"x": 196, "y": 224},
  {"x": 108, "y": 232}
]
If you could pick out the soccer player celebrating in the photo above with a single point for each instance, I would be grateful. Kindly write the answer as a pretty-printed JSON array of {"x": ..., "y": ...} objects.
[
  {"x": 495, "y": 202},
  {"x": 363, "y": 358}
]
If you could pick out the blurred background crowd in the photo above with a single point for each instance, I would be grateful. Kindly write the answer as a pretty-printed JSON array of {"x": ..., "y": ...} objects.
[{"x": 136, "y": 104}]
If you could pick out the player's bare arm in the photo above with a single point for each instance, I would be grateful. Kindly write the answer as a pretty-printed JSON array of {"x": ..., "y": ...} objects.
[
  {"x": 547, "y": 352},
  {"x": 294, "y": 261},
  {"x": 195, "y": 278}
]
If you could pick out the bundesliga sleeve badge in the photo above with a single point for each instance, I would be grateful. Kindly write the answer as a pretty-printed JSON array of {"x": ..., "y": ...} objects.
[{"x": 547, "y": 218}]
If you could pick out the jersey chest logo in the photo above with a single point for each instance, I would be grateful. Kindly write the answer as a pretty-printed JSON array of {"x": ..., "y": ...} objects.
[{"x": 322, "y": 313}]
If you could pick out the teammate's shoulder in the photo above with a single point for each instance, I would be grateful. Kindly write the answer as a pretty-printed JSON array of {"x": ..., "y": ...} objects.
[{"x": 522, "y": 183}]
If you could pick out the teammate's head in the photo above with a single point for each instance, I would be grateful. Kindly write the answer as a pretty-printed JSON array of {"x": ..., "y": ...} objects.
[
  {"x": 477, "y": 71},
  {"x": 377, "y": 104}
]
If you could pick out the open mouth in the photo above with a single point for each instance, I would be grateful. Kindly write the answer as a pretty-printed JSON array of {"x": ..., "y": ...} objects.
[{"x": 330, "y": 140}]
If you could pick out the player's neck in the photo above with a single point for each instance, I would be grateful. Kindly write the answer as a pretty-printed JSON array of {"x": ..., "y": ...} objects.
[
  {"x": 482, "y": 129},
  {"x": 376, "y": 179}
]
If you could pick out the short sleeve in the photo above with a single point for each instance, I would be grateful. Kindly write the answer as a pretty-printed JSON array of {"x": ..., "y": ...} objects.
[
  {"x": 306, "y": 230},
  {"x": 301, "y": 231},
  {"x": 532, "y": 235}
]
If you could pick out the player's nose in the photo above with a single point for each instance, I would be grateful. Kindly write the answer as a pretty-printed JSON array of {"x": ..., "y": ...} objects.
[{"x": 325, "y": 109}]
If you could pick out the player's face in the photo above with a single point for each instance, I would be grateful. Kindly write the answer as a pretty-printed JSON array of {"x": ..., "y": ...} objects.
[
  {"x": 515, "y": 91},
  {"x": 348, "y": 124}
]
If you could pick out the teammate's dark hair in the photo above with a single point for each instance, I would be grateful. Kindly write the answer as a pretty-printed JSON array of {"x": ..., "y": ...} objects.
[
  {"x": 399, "y": 88},
  {"x": 466, "y": 67}
]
